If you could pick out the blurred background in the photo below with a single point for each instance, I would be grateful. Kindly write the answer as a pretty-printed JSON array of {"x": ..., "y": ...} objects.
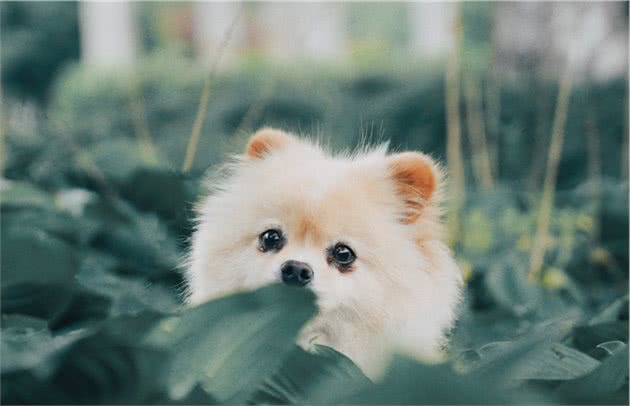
[{"x": 112, "y": 113}]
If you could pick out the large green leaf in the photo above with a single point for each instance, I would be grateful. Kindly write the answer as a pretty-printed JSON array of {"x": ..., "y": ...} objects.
[
  {"x": 47, "y": 301},
  {"x": 411, "y": 383},
  {"x": 20, "y": 194},
  {"x": 34, "y": 256},
  {"x": 606, "y": 384},
  {"x": 507, "y": 283},
  {"x": 526, "y": 358},
  {"x": 232, "y": 344},
  {"x": 176, "y": 190},
  {"x": 142, "y": 243},
  {"x": 556, "y": 362},
  {"x": 128, "y": 294},
  {"x": 107, "y": 364},
  {"x": 616, "y": 311},
  {"x": 586, "y": 338},
  {"x": 57, "y": 224},
  {"x": 27, "y": 344},
  {"x": 37, "y": 272},
  {"x": 311, "y": 377}
]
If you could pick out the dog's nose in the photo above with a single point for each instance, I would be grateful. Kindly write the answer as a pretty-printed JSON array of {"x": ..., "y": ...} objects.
[{"x": 296, "y": 273}]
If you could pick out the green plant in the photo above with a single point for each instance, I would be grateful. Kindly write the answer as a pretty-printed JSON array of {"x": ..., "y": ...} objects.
[{"x": 93, "y": 233}]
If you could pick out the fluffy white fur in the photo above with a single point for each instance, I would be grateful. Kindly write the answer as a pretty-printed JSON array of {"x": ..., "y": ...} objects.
[{"x": 402, "y": 293}]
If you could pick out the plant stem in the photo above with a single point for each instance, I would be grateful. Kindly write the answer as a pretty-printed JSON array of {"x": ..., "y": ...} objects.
[
  {"x": 477, "y": 134},
  {"x": 553, "y": 161},
  {"x": 195, "y": 135},
  {"x": 453, "y": 128},
  {"x": 625, "y": 146},
  {"x": 594, "y": 169},
  {"x": 141, "y": 128}
]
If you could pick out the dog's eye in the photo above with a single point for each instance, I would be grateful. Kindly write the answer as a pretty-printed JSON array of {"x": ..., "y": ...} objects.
[
  {"x": 271, "y": 240},
  {"x": 343, "y": 255}
]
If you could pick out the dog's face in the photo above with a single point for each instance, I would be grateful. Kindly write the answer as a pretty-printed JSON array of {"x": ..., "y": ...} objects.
[{"x": 344, "y": 227}]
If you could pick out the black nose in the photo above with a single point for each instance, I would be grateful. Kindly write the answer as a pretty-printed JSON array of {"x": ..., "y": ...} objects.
[{"x": 296, "y": 273}]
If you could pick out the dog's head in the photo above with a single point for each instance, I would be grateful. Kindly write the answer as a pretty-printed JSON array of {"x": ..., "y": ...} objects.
[{"x": 356, "y": 228}]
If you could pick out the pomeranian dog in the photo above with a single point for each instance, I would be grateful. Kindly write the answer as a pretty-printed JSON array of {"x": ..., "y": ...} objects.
[{"x": 361, "y": 230}]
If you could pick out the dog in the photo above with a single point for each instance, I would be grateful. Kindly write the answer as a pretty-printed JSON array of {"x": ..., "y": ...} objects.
[{"x": 362, "y": 230}]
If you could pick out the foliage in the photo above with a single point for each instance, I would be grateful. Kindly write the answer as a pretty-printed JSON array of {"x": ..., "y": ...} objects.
[
  {"x": 31, "y": 58},
  {"x": 92, "y": 106},
  {"x": 92, "y": 235}
]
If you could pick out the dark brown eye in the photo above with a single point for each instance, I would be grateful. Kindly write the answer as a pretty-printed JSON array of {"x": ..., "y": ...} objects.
[
  {"x": 343, "y": 255},
  {"x": 271, "y": 240}
]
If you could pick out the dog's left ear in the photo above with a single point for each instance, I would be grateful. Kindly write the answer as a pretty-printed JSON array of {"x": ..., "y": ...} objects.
[
  {"x": 265, "y": 141},
  {"x": 417, "y": 178}
]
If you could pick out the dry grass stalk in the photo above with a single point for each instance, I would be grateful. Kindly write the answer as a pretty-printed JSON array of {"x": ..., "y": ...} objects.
[
  {"x": 594, "y": 164},
  {"x": 540, "y": 135},
  {"x": 625, "y": 146},
  {"x": 551, "y": 174},
  {"x": 477, "y": 134},
  {"x": 140, "y": 125},
  {"x": 3, "y": 132},
  {"x": 195, "y": 135},
  {"x": 453, "y": 128},
  {"x": 492, "y": 92}
]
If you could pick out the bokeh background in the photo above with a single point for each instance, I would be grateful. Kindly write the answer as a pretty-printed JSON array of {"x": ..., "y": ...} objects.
[{"x": 112, "y": 113}]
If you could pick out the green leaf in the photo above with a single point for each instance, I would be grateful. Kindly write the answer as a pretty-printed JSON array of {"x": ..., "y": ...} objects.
[
  {"x": 37, "y": 272},
  {"x": 37, "y": 300},
  {"x": 27, "y": 344},
  {"x": 408, "y": 382},
  {"x": 311, "y": 377},
  {"x": 526, "y": 358},
  {"x": 559, "y": 362},
  {"x": 612, "y": 347},
  {"x": 511, "y": 289},
  {"x": 232, "y": 344},
  {"x": 34, "y": 256},
  {"x": 128, "y": 295},
  {"x": 586, "y": 338},
  {"x": 142, "y": 243},
  {"x": 55, "y": 223},
  {"x": 109, "y": 364},
  {"x": 600, "y": 385},
  {"x": 176, "y": 192},
  {"x": 509, "y": 286},
  {"x": 554, "y": 362},
  {"x": 21, "y": 194},
  {"x": 616, "y": 311},
  {"x": 21, "y": 321}
]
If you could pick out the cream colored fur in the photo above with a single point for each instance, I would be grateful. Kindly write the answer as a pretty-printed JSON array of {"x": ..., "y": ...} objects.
[{"x": 402, "y": 293}]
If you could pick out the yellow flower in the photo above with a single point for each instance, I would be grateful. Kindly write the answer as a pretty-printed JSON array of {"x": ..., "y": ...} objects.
[
  {"x": 554, "y": 278},
  {"x": 467, "y": 269},
  {"x": 600, "y": 256},
  {"x": 584, "y": 222}
]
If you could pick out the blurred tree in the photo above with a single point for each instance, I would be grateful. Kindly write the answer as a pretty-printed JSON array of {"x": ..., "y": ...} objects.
[
  {"x": 38, "y": 38},
  {"x": 430, "y": 28},
  {"x": 108, "y": 33}
]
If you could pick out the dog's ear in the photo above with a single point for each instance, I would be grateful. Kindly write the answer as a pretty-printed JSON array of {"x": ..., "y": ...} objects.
[
  {"x": 265, "y": 141},
  {"x": 417, "y": 178}
]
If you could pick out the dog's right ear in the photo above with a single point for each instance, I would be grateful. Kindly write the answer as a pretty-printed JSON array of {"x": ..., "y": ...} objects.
[
  {"x": 417, "y": 178},
  {"x": 266, "y": 140}
]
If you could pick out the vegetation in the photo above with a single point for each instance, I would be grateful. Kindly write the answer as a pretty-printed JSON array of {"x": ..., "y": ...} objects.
[
  {"x": 96, "y": 212},
  {"x": 31, "y": 58}
]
